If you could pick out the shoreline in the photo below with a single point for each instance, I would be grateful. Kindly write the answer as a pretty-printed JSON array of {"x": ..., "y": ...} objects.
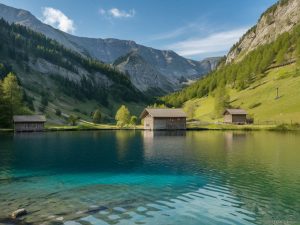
[{"x": 210, "y": 127}]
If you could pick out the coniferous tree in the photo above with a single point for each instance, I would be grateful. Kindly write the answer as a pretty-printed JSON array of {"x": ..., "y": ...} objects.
[
  {"x": 97, "y": 116},
  {"x": 221, "y": 100},
  {"x": 73, "y": 120},
  {"x": 298, "y": 52},
  {"x": 190, "y": 109}
]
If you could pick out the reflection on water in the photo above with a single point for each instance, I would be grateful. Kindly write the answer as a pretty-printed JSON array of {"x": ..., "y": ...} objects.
[
  {"x": 234, "y": 138},
  {"x": 133, "y": 177}
]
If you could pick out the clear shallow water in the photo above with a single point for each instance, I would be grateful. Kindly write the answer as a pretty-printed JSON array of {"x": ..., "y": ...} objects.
[{"x": 133, "y": 177}]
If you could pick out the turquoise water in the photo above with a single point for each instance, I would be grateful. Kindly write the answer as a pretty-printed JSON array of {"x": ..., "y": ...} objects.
[{"x": 134, "y": 177}]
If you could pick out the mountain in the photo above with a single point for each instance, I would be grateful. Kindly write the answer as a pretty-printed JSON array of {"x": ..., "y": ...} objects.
[
  {"x": 142, "y": 74},
  {"x": 279, "y": 18},
  {"x": 147, "y": 78},
  {"x": 166, "y": 66},
  {"x": 265, "y": 61},
  {"x": 56, "y": 78}
]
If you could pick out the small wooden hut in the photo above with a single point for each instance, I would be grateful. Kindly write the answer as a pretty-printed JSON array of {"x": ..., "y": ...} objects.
[
  {"x": 235, "y": 116},
  {"x": 164, "y": 119},
  {"x": 30, "y": 123}
]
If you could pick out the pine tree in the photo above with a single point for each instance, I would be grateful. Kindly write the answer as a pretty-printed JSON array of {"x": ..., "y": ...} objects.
[
  {"x": 190, "y": 109},
  {"x": 298, "y": 52},
  {"x": 73, "y": 120},
  {"x": 122, "y": 116},
  {"x": 221, "y": 100},
  {"x": 97, "y": 116}
]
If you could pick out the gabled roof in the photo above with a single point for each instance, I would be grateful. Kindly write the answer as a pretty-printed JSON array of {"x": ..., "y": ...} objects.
[
  {"x": 163, "y": 113},
  {"x": 235, "y": 111},
  {"x": 31, "y": 118}
]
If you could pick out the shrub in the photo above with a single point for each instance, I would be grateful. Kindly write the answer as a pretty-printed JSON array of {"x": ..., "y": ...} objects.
[
  {"x": 133, "y": 120},
  {"x": 254, "y": 105},
  {"x": 58, "y": 112},
  {"x": 282, "y": 127},
  {"x": 42, "y": 108},
  {"x": 76, "y": 110},
  {"x": 97, "y": 116}
]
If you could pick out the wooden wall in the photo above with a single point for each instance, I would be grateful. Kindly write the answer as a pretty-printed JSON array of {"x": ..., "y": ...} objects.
[
  {"x": 151, "y": 123},
  {"x": 239, "y": 119},
  {"x": 33, "y": 126}
]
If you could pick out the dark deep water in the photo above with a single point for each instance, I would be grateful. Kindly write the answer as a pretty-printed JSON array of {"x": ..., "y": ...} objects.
[{"x": 134, "y": 177}]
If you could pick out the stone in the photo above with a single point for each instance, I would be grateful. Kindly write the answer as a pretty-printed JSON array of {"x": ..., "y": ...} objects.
[{"x": 18, "y": 213}]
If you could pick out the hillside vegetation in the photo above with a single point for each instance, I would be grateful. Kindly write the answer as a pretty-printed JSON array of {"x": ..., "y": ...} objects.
[
  {"x": 259, "y": 99},
  {"x": 250, "y": 84},
  {"x": 53, "y": 77}
]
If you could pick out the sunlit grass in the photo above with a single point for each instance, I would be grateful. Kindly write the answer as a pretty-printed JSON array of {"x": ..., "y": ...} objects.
[{"x": 260, "y": 99}]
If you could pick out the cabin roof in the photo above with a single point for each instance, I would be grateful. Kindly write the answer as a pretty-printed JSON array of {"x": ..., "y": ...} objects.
[
  {"x": 236, "y": 111},
  {"x": 31, "y": 118},
  {"x": 163, "y": 113}
]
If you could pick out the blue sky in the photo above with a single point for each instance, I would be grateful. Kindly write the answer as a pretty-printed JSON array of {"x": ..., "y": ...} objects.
[{"x": 193, "y": 28}]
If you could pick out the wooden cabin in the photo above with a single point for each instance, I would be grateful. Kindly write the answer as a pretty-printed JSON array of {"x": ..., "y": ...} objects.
[
  {"x": 30, "y": 123},
  {"x": 235, "y": 116},
  {"x": 164, "y": 119}
]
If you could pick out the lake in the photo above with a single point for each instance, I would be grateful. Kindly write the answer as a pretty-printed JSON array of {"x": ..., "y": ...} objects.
[{"x": 136, "y": 177}]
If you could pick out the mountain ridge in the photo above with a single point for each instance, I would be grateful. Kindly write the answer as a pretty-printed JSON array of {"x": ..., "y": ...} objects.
[
  {"x": 67, "y": 80},
  {"x": 165, "y": 62}
]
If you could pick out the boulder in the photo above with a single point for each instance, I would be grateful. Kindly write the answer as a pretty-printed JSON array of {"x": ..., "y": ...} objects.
[{"x": 18, "y": 213}]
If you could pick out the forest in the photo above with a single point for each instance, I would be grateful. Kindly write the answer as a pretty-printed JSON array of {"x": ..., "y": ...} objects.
[{"x": 19, "y": 45}]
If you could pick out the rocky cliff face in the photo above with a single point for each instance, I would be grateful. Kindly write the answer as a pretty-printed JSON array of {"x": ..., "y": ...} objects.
[
  {"x": 167, "y": 65},
  {"x": 148, "y": 74},
  {"x": 142, "y": 74},
  {"x": 281, "y": 17}
]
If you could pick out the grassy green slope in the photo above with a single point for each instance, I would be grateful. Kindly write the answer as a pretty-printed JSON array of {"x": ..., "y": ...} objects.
[{"x": 263, "y": 94}]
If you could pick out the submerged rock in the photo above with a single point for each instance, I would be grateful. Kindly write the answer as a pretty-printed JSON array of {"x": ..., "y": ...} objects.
[{"x": 18, "y": 213}]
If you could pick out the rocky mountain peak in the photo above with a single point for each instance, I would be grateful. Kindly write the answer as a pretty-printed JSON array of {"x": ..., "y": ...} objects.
[{"x": 279, "y": 18}]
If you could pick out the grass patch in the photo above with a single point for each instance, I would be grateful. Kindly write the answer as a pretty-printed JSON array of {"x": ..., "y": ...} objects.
[
  {"x": 91, "y": 126},
  {"x": 6, "y": 130},
  {"x": 248, "y": 127},
  {"x": 287, "y": 127}
]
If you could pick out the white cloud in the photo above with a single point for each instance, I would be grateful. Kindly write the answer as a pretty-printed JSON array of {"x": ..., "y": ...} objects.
[
  {"x": 58, "y": 19},
  {"x": 189, "y": 28},
  {"x": 217, "y": 42},
  {"x": 117, "y": 13}
]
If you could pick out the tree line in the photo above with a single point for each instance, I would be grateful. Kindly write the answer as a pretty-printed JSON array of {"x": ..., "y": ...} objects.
[
  {"x": 19, "y": 44},
  {"x": 14, "y": 101},
  {"x": 123, "y": 117}
]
